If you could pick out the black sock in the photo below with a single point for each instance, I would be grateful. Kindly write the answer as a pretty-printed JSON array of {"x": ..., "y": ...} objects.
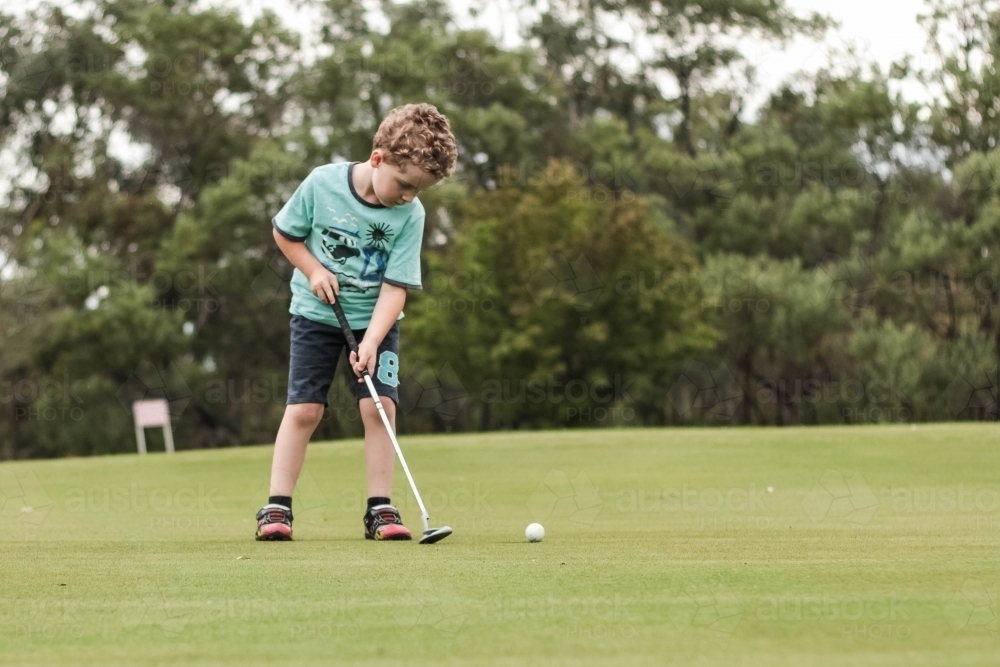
[
  {"x": 377, "y": 500},
  {"x": 281, "y": 500}
]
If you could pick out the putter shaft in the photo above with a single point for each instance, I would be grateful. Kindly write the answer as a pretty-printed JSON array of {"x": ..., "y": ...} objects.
[
  {"x": 399, "y": 453},
  {"x": 353, "y": 344}
]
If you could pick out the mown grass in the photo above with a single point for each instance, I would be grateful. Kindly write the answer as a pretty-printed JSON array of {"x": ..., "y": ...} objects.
[{"x": 876, "y": 546}]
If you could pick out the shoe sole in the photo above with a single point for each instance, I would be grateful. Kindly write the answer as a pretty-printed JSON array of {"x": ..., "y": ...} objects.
[
  {"x": 395, "y": 537},
  {"x": 276, "y": 534}
]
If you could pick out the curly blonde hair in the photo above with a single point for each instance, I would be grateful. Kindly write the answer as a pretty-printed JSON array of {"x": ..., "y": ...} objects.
[{"x": 418, "y": 134}]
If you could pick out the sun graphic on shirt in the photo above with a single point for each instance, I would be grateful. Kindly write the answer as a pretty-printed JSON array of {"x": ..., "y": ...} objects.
[{"x": 378, "y": 235}]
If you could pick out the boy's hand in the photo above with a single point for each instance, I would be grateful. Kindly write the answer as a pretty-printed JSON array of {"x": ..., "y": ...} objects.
[
  {"x": 324, "y": 284},
  {"x": 365, "y": 358}
]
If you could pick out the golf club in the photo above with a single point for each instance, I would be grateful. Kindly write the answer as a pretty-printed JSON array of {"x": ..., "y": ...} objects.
[{"x": 431, "y": 535}]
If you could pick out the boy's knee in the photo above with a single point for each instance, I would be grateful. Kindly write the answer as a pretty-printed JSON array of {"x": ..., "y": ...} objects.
[
  {"x": 305, "y": 415},
  {"x": 369, "y": 413}
]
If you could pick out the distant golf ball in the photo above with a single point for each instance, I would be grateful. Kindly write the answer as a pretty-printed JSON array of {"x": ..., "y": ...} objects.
[
  {"x": 534, "y": 532},
  {"x": 770, "y": 489}
]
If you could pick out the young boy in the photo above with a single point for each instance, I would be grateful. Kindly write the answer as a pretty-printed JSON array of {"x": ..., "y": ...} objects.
[{"x": 353, "y": 232}]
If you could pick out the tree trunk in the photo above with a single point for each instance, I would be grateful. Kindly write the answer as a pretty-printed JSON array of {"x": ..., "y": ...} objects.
[{"x": 684, "y": 141}]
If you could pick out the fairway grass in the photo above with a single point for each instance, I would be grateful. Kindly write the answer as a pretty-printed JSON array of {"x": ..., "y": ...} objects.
[{"x": 878, "y": 546}]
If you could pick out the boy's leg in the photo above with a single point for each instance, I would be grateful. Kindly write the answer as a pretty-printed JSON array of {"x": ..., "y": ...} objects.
[
  {"x": 314, "y": 352},
  {"x": 382, "y": 521},
  {"x": 380, "y": 457},
  {"x": 297, "y": 426}
]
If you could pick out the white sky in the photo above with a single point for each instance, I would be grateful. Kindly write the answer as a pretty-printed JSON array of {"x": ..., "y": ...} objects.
[{"x": 883, "y": 30}]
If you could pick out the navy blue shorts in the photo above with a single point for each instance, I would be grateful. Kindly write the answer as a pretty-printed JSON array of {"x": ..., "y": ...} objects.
[{"x": 315, "y": 351}]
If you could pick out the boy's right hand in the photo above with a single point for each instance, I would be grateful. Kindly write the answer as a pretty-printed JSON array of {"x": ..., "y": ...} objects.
[{"x": 324, "y": 284}]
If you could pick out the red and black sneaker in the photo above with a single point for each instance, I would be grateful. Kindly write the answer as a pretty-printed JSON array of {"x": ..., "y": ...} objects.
[
  {"x": 382, "y": 522},
  {"x": 274, "y": 522}
]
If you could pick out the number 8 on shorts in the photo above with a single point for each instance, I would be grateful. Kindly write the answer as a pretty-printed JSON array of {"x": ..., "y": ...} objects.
[{"x": 388, "y": 368}]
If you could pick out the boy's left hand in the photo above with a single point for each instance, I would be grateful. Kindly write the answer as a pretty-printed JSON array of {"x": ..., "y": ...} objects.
[{"x": 364, "y": 358}]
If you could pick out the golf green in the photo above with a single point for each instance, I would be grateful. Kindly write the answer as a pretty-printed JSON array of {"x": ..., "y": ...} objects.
[{"x": 852, "y": 546}]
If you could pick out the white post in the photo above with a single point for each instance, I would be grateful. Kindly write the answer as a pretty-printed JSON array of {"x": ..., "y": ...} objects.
[
  {"x": 168, "y": 437},
  {"x": 154, "y": 412}
]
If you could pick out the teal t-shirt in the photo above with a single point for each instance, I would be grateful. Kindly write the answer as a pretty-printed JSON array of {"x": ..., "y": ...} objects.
[{"x": 364, "y": 244}]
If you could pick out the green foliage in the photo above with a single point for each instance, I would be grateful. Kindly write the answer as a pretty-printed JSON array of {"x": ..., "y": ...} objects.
[
  {"x": 563, "y": 289},
  {"x": 613, "y": 247}
]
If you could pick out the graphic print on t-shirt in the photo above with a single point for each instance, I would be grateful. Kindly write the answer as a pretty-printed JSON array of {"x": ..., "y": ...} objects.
[
  {"x": 358, "y": 259},
  {"x": 365, "y": 245}
]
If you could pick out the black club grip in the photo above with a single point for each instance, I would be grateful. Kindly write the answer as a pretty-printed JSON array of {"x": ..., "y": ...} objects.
[{"x": 346, "y": 328}]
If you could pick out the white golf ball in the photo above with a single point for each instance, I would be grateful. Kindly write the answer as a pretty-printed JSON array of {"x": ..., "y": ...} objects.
[
  {"x": 534, "y": 532},
  {"x": 770, "y": 489}
]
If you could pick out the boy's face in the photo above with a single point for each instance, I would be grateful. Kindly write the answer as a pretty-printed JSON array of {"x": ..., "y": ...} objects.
[{"x": 395, "y": 186}]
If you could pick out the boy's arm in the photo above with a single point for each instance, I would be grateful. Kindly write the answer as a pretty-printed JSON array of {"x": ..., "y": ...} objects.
[
  {"x": 322, "y": 282},
  {"x": 391, "y": 300}
]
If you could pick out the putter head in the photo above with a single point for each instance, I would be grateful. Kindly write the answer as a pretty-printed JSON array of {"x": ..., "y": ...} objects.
[{"x": 432, "y": 535}]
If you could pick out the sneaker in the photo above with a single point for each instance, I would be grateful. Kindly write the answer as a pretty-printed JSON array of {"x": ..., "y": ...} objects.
[
  {"x": 382, "y": 522},
  {"x": 274, "y": 522}
]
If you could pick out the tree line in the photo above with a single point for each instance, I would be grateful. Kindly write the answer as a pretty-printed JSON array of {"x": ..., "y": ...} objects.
[{"x": 624, "y": 242}]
